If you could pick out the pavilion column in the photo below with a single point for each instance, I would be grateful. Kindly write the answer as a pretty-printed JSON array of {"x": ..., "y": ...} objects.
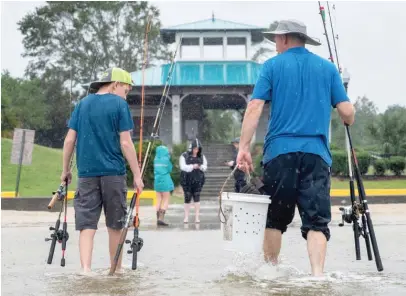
[{"x": 176, "y": 120}]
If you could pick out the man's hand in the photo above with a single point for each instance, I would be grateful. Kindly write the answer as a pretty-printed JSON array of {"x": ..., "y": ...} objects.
[
  {"x": 244, "y": 161},
  {"x": 66, "y": 174},
  {"x": 138, "y": 184}
]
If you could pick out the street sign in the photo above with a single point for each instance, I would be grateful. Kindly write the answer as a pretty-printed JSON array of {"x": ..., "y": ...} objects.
[{"x": 23, "y": 144}]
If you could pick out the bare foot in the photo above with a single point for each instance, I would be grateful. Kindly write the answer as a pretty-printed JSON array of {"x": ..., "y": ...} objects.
[
  {"x": 186, "y": 220},
  {"x": 119, "y": 271}
]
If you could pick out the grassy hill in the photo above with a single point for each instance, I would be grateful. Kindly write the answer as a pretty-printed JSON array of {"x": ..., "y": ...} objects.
[
  {"x": 38, "y": 179},
  {"x": 43, "y": 175}
]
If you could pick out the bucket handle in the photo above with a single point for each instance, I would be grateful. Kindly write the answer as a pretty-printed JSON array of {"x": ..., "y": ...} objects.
[{"x": 248, "y": 178}]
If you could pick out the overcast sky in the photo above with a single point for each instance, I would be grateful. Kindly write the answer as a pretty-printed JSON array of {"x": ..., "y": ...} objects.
[{"x": 371, "y": 36}]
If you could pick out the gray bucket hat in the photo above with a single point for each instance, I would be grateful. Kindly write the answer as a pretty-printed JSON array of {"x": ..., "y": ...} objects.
[{"x": 291, "y": 26}]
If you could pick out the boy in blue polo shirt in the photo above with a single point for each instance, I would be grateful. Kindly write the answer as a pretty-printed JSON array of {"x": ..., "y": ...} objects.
[{"x": 100, "y": 125}]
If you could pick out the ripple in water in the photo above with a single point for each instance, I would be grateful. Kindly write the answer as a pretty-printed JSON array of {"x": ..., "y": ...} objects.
[{"x": 249, "y": 273}]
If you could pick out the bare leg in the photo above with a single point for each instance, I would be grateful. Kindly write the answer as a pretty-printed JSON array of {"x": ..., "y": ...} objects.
[
  {"x": 187, "y": 207},
  {"x": 272, "y": 245},
  {"x": 86, "y": 248},
  {"x": 197, "y": 212},
  {"x": 316, "y": 247},
  {"x": 158, "y": 200},
  {"x": 165, "y": 200},
  {"x": 114, "y": 239}
]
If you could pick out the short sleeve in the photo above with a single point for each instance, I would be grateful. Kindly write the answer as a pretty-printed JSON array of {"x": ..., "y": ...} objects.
[
  {"x": 338, "y": 93},
  {"x": 263, "y": 87},
  {"x": 74, "y": 119},
  {"x": 126, "y": 122}
]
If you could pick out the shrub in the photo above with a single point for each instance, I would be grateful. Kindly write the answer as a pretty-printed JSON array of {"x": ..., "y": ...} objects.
[
  {"x": 257, "y": 165},
  {"x": 396, "y": 164},
  {"x": 380, "y": 167},
  {"x": 149, "y": 170},
  {"x": 177, "y": 150},
  {"x": 340, "y": 162}
]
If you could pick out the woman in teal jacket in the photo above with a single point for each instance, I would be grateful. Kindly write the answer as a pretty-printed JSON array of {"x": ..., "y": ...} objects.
[{"x": 163, "y": 183}]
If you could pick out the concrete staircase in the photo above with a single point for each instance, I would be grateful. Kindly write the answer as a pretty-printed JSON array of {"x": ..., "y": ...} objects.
[{"x": 217, "y": 172}]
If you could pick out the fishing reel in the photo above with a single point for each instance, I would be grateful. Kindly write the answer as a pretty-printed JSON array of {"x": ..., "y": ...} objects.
[
  {"x": 135, "y": 245},
  {"x": 61, "y": 192},
  {"x": 348, "y": 213},
  {"x": 59, "y": 234},
  {"x": 137, "y": 242}
]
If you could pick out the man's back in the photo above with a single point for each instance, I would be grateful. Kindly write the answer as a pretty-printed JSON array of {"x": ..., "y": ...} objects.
[
  {"x": 98, "y": 120},
  {"x": 304, "y": 87}
]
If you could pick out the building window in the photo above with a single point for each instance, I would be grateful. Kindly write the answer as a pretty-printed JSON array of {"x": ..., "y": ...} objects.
[
  {"x": 190, "y": 48},
  {"x": 213, "y": 48},
  {"x": 236, "y": 48}
]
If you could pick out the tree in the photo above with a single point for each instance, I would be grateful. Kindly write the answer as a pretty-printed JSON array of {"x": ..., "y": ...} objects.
[
  {"x": 263, "y": 51},
  {"x": 366, "y": 112},
  {"x": 23, "y": 103},
  {"x": 64, "y": 35},
  {"x": 8, "y": 113},
  {"x": 59, "y": 100},
  {"x": 219, "y": 125},
  {"x": 390, "y": 130}
]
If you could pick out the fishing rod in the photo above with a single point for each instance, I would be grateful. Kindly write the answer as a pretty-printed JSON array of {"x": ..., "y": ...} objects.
[
  {"x": 62, "y": 235},
  {"x": 137, "y": 242},
  {"x": 351, "y": 214}
]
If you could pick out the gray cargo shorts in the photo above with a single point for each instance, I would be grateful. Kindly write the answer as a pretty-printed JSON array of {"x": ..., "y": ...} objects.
[{"x": 93, "y": 193}]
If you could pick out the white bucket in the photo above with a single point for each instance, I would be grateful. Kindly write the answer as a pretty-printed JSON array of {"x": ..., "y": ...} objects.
[{"x": 245, "y": 215}]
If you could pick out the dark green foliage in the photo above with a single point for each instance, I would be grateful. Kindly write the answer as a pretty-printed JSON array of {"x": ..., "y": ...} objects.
[
  {"x": 149, "y": 170},
  {"x": 340, "y": 162},
  {"x": 396, "y": 164},
  {"x": 380, "y": 167},
  {"x": 177, "y": 150}
]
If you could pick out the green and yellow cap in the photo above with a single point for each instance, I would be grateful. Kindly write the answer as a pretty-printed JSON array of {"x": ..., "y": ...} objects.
[{"x": 111, "y": 75}]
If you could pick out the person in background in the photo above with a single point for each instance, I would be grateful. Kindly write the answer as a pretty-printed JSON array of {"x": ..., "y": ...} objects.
[
  {"x": 163, "y": 184},
  {"x": 239, "y": 175},
  {"x": 303, "y": 88},
  {"x": 193, "y": 164}
]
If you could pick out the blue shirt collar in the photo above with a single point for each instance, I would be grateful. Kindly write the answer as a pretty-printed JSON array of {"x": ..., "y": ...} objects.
[{"x": 298, "y": 49}]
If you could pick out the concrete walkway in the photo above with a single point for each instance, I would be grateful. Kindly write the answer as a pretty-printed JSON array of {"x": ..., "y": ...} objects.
[{"x": 385, "y": 213}]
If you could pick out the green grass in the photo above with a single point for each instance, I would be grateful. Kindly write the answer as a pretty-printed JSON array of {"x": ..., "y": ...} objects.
[
  {"x": 381, "y": 184},
  {"x": 43, "y": 175},
  {"x": 39, "y": 178}
]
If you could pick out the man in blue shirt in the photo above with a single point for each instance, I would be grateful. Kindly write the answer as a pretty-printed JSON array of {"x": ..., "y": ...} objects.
[
  {"x": 301, "y": 87},
  {"x": 100, "y": 126}
]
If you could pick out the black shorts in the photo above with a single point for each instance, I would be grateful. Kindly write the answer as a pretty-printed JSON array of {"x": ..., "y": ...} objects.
[
  {"x": 192, "y": 190},
  {"x": 93, "y": 193},
  {"x": 301, "y": 179}
]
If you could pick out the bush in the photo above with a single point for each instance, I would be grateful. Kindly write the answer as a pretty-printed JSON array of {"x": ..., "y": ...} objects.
[
  {"x": 380, "y": 167},
  {"x": 340, "y": 162},
  {"x": 177, "y": 150},
  {"x": 396, "y": 164},
  {"x": 149, "y": 170},
  {"x": 257, "y": 165}
]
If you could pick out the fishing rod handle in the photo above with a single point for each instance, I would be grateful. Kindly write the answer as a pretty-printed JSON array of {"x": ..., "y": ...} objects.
[{"x": 53, "y": 200}]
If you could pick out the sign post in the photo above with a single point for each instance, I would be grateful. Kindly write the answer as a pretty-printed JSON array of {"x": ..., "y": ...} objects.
[{"x": 21, "y": 154}]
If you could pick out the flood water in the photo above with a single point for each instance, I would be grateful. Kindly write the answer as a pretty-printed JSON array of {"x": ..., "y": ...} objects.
[{"x": 179, "y": 261}]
